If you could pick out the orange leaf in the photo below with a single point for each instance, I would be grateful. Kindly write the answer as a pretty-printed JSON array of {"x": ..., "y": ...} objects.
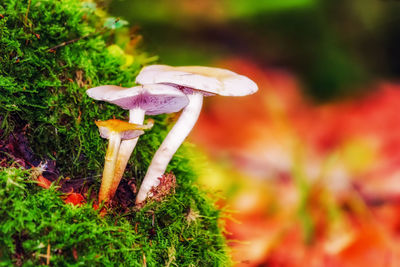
[
  {"x": 43, "y": 182},
  {"x": 75, "y": 199}
]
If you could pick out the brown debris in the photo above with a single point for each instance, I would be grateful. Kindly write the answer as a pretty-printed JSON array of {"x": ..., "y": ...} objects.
[
  {"x": 125, "y": 195},
  {"x": 167, "y": 185},
  {"x": 75, "y": 254},
  {"x": 81, "y": 185},
  {"x": 132, "y": 185},
  {"x": 79, "y": 78},
  {"x": 16, "y": 148},
  {"x": 192, "y": 215},
  {"x": 19, "y": 250}
]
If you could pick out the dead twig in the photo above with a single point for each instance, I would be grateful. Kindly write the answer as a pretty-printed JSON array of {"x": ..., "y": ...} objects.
[
  {"x": 27, "y": 12},
  {"x": 48, "y": 254}
]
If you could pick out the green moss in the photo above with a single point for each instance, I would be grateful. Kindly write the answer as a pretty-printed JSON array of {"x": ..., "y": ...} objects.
[
  {"x": 43, "y": 91},
  {"x": 31, "y": 218},
  {"x": 46, "y": 88}
]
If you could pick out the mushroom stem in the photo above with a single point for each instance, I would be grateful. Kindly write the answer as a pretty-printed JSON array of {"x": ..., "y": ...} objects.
[
  {"x": 109, "y": 166},
  {"x": 127, "y": 146},
  {"x": 171, "y": 143}
]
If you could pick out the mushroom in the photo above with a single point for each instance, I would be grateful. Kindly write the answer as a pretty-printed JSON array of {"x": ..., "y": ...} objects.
[
  {"x": 115, "y": 131},
  {"x": 152, "y": 99},
  {"x": 195, "y": 82}
]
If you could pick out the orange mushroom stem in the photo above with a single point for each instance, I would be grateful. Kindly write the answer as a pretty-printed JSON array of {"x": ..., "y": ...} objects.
[{"x": 115, "y": 131}]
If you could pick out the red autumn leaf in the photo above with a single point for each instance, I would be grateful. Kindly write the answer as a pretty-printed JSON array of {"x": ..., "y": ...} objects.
[{"x": 74, "y": 199}]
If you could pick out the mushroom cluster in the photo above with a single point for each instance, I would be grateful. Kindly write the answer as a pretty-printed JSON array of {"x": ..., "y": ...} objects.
[
  {"x": 162, "y": 89},
  {"x": 150, "y": 99}
]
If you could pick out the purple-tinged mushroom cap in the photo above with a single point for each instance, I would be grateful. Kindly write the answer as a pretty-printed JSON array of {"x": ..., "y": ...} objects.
[
  {"x": 151, "y": 99},
  {"x": 154, "y": 99}
]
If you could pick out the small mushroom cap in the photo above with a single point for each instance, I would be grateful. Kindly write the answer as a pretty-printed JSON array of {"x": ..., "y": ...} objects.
[
  {"x": 207, "y": 79},
  {"x": 154, "y": 99},
  {"x": 126, "y": 129}
]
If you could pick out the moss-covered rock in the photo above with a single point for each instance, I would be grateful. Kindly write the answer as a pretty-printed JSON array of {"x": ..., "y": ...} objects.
[{"x": 50, "y": 53}]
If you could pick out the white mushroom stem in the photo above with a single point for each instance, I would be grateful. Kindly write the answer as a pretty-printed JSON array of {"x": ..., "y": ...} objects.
[
  {"x": 171, "y": 143},
  {"x": 125, "y": 151},
  {"x": 109, "y": 165}
]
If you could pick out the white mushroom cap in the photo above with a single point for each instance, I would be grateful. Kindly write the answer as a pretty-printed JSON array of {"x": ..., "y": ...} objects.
[
  {"x": 207, "y": 79},
  {"x": 153, "y": 98}
]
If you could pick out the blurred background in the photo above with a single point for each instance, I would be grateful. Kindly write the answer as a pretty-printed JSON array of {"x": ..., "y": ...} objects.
[{"x": 307, "y": 169}]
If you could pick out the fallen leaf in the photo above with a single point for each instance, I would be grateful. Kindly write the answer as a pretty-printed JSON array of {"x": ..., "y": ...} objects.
[
  {"x": 43, "y": 182},
  {"x": 74, "y": 199}
]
